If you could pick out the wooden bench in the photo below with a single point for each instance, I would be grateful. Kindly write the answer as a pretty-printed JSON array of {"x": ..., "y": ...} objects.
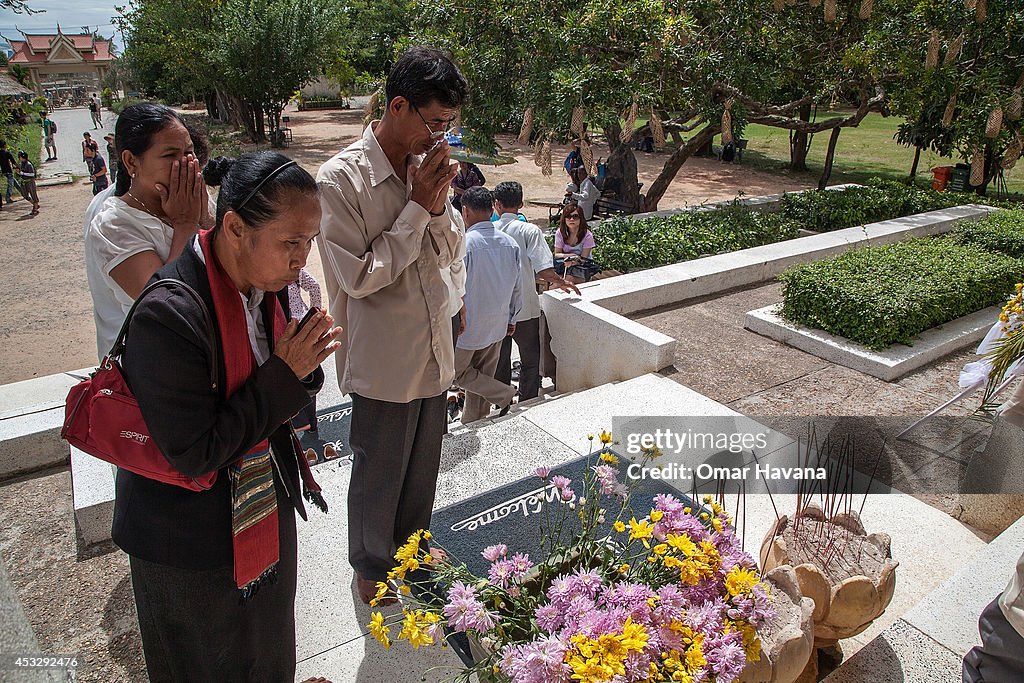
[{"x": 608, "y": 206}]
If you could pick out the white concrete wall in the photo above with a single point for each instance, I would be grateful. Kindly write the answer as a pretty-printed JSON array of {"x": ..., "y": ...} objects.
[{"x": 615, "y": 348}]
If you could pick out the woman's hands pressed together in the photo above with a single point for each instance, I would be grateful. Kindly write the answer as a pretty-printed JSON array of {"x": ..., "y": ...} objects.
[
  {"x": 185, "y": 202},
  {"x": 303, "y": 350}
]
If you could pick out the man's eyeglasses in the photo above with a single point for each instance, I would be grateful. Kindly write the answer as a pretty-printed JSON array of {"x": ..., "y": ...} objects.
[{"x": 436, "y": 134}]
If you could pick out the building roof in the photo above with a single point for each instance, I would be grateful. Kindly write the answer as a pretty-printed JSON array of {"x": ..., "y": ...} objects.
[
  {"x": 42, "y": 48},
  {"x": 10, "y": 87}
]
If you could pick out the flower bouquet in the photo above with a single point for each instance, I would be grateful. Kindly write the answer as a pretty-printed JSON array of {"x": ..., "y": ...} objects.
[
  {"x": 669, "y": 597},
  {"x": 1006, "y": 353}
]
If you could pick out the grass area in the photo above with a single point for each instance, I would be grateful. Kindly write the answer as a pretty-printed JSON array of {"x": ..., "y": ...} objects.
[{"x": 866, "y": 151}]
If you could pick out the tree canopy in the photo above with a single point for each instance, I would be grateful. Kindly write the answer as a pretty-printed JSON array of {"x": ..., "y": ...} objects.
[
  {"x": 247, "y": 57},
  {"x": 685, "y": 64}
]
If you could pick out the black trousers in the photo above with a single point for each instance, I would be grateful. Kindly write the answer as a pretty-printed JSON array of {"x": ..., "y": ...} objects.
[
  {"x": 396, "y": 455},
  {"x": 527, "y": 338},
  {"x": 1000, "y": 657},
  {"x": 196, "y": 628}
]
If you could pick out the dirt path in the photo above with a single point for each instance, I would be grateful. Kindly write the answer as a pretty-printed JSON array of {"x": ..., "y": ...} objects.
[{"x": 46, "y": 321}]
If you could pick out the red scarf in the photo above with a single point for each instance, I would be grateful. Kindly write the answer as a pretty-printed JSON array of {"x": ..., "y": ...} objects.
[{"x": 254, "y": 522}]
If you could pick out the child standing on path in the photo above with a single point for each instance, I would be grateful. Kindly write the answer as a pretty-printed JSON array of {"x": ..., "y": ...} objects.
[{"x": 28, "y": 182}]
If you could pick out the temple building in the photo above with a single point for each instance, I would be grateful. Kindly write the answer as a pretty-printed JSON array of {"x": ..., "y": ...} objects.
[{"x": 63, "y": 66}]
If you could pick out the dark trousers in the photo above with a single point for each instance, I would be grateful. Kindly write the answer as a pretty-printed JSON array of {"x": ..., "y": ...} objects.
[
  {"x": 396, "y": 455},
  {"x": 527, "y": 338},
  {"x": 1000, "y": 657},
  {"x": 195, "y": 627}
]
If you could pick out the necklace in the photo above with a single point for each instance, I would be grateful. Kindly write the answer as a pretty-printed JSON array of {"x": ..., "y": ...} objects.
[{"x": 144, "y": 207}]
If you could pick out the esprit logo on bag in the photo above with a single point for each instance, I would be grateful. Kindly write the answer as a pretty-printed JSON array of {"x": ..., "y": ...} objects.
[{"x": 135, "y": 436}]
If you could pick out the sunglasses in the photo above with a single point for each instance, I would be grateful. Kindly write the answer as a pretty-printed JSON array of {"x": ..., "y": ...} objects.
[
  {"x": 571, "y": 216},
  {"x": 436, "y": 134}
]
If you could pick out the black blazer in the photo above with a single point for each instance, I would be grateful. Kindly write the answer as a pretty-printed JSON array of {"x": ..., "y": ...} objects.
[{"x": 167, "y": 363}]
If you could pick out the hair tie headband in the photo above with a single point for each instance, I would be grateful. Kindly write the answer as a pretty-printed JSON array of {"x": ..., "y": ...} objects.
[{"x": 270, "y": 176}]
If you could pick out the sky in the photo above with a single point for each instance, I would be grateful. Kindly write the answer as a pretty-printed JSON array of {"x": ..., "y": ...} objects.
[{"x": 72, "y": 15}]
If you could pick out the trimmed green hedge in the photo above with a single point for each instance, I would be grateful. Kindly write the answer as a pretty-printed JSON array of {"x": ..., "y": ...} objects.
[
  {"x": 879, "y": 200},
  {"x": 1002, "y": 231},
  {"x": 624, "y": 244},
  {"x": 879, "y": 296}
]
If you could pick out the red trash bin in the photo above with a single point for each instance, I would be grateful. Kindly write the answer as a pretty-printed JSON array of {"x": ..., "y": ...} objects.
[{"x": 940, "y": 177}]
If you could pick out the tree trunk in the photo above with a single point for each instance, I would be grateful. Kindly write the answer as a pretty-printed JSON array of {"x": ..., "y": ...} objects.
[
  {"x": 829, "y": 156},
  {"x": 211, "y": 106},
  {"x": 676, "y": 161},
  {"x": 247, "y": 118},
  {"x": 913, "y": 168},
  {"x": 799, "y": 143},
  {"x": 621, "y": 170},
  {"x": 261, "y": 129}
]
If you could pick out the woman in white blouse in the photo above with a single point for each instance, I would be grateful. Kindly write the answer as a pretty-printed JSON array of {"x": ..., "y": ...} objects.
[{"x": 159, "y": 203}]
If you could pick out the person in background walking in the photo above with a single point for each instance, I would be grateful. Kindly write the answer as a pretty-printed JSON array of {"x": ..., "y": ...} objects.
[
  {"x": 493, "y": 299},
  {"x": 7, "y": 165},
  {"x": 49, "y": 131},
  {"x": 112, "y": 156},
  {"x": 468, "y": 176},
  {"x": 95, "y": 112},
  {"x": 536, "y": 262},
  {"x": 28, "y": 182},
  {"x": 97, "y": 171},
  {"x": 87, "y": 143}
]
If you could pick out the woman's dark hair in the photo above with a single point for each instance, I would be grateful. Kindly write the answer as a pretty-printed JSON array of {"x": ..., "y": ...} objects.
[
  {"x": 134, "y": 132},
  {"x": 256, "y": 185},
  {"x": 572, "y": 208},
  {"x": 423, "y": 75}
]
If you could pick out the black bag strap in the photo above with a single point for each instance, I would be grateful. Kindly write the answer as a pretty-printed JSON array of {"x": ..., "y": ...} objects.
[{"x": 118, "y": 348}]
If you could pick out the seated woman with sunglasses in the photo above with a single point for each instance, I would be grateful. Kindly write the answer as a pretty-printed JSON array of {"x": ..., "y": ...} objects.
[
  {"x": 573, "y": 243},
  {"x": 214, "y": 571}
]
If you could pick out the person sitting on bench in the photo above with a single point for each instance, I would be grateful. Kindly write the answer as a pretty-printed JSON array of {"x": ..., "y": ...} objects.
[{"x": 573, "y": 242}]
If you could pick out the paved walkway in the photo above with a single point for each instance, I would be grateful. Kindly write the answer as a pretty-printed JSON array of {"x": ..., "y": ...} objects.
[{"x": 71, "y": 123}]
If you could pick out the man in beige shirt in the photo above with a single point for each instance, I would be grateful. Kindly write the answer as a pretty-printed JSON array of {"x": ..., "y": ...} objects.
[{"x": 387, "y": 234}]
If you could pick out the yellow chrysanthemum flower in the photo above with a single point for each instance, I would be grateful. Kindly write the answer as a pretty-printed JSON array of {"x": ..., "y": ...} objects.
[
  {"x": 382, "y": 591},
  {"x": 619, "y": 526},
  {"x": 740, "y": 581},
  {"x": 640, "y": 531},
  {"x": 415, "y": 627},
  {"x": 378, "y": 629},
  {"x": 609, "y": 458},
  {"x": 657, "y": 515},
  {"x": 606, "y": 437}
]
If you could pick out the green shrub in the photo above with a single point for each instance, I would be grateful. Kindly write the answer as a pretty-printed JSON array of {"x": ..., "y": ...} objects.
[
  {"x": 1002, "y": 231},
  {"x": 879, "y": 296},
  {"x": 879, "y": 200},
  {"x": 624, "y": 244},
  {"x": 118, "y": 106}
]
